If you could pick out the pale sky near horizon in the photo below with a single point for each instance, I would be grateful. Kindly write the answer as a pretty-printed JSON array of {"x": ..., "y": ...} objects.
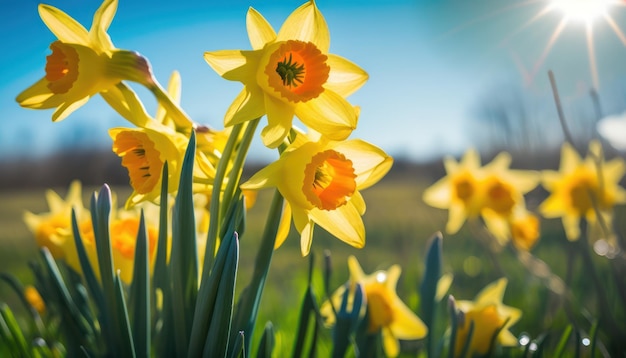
[{"x": 430, "y": 64}]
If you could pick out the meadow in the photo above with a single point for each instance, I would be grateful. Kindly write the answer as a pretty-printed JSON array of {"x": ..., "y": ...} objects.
[{"x": 399, "y": 225}]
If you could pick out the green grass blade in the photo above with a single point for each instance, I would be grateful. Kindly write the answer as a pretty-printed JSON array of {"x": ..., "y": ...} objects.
[
  {"x": 18, "y": 288},
  {"x": 560, "y": 348},
  {"x": 428, "y": 288},
  {"x": 12, "y": 330},
  {"x": 594, "y": 338},
  {"x": 184, "y": 258},
  {"x": 221, "y": 320},
  {"x": 125, "y": 342},
  {"x": 237, "y": 350},
  {"x": 140, "y": 294},
  {"x": 160, "y": 262},
  {"x": 266, "y": 345}
]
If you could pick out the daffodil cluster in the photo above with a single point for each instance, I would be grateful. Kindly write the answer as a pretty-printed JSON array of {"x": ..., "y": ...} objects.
[{"x": 492, "y": 192}]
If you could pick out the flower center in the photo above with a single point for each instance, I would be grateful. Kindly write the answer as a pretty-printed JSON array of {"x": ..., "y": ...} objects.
[
  {"x": 378, "y": 307},
  {"x": 140, "y": 158},
  {"x": 583, "y": 187},
  {"x": 297, "y": 71},
  {"x": 500, "y": 196},
  {"x": 61, "y": 67},
  {"x": 329, "y": 180},
  {"x": 464, "y": 186},
  {"x": 525, "y": 231}
]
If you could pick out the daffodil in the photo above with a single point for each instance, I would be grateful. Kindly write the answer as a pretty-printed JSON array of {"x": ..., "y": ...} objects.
[
  {"x": 144, "y": 152},
  {"x": 470, "y": 190},
  {"x": 321, "y": 181},
  {"x": 82, "y": 63},
  {"x": 490, "y": 317},
  {"x": 290, "y": 73},
  {"x": 34, "y": 299},
  {"x": 386, "y": 311},
  {"x": 584, "y": 189},
  {"x": 52, "y": 229}
]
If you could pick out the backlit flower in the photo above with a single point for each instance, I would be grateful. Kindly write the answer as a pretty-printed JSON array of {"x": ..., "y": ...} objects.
[
  {"x": 490, "y": 317},
  {"x": 386, "y": 311},
  {"x": 32, "y": 296},
  {"x": 82, "y": 63},
  {"x": 321, "y": 182},
  {"x": 469, "y": 191},
  {"x": 144, "y": 152},
  {"x": 581, "y": 187},
  {"x": 51, "y": 229},
  {"x": 290, "y": 73}
]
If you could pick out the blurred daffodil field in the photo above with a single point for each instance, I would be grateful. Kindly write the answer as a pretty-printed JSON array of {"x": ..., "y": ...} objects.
[{"x": 332, "y": 249}]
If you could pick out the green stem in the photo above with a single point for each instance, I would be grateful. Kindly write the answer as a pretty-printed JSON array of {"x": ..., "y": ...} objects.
[
  {"x": 248, "y": 307},
  {"x": 235, "y": 173}
]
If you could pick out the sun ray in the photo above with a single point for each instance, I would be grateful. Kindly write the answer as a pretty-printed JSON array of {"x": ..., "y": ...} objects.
[
  {"x": 555, "y": 35},
  {"x": 485, "y": 17},
  {"x": 532, "y": 20},
  {"x": 592, "y": 57},
  {"x": 616, "y": 28}
]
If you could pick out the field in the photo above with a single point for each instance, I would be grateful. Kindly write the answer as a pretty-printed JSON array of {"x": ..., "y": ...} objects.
[{"x": 398, "y": 226}]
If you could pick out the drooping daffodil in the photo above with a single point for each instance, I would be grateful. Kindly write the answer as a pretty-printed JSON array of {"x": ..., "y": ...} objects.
[
  {"x": 321, "y": 182},
  {"x": 82, "y": 63},
  {"x": 584, "y": 189},
  {"x": 490, "y": 317},
  {"x": 290, "y": 73},
  {"x": 386, "y": 312}
]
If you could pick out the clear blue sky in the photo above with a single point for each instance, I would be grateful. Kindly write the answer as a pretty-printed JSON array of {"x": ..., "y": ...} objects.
[{"x": 430, "y": 63}]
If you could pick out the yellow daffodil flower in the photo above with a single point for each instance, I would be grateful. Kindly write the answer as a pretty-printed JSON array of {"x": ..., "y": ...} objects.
[
  {"x": 32, "y": 296},
  {"x": 489, "y": 316},
  {"x": 581, "y": 187},
  {"x": 469, "y": 191},
  {"x": 387, "y": 313},
  {"x": 51, "y": 229},
  {"x": 82, "y": 63},
  {"x": 144, "y": 152},
  {"x": 321, "y": 182},
  {"x": 291, "y": 73}
]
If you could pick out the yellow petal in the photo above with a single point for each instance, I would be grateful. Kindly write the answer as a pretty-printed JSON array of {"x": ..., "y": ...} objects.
[
  {"x": 67, "y": 108},
  {"x": 569, "y": 158},
  {"x": 227, "y": 62},
  {"x": 406, "y": 324},
  {"x": 356, "y": 272},
  {"x": 439, "y": 194},
  {"x": 279, "y": 119},
  {"x": 306, "y": 24},
  {"x": 370, "y": 162},
  {"x": 345, "y": 77},
  {"x": 571, "y": 223},
  {"x": 345, "y": 223},
  {"x": 390, "y": 343},
  {"x": 64, "y": 27},
  {"x": 247, "y": 105},
  {"x": 39, "y": 96},
  {"x": 330, "y": 114},
  {"x": 492, "y": 293},
  {"x": 283, "y": 226},
  {"x": 125, "y": 101},
  {"x": 359, "y": 203},
  {"x": 456, "y": 218},
  {"x": 174, "y": 91},
  {"x": 306, "y": 238},
  {"x": 264, "y": 178},
  {"x": 101, "y": 22},
  {"x": 501, "y": 161},
  {"x": 260, "y": 31}
]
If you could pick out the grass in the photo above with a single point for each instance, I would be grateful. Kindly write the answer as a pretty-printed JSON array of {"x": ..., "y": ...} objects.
[{"x": 398, "y": 227}]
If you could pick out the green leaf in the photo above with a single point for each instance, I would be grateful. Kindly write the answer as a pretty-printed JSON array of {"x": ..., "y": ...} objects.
[
  {"x": 125, "y": 342},
  {"x": 184, "y": 258},
  {"x": 160, "y": 262},
  {"x": 237, "y": 350},
  {"x": 216, "y": 344},
  {"x": 140, "y": 293},
  {"x": 210, "y": 293},
  {"x": 11, "y": 330},
  {"x": 428, "y": 288},
  {"x": 267, "y": 343}
]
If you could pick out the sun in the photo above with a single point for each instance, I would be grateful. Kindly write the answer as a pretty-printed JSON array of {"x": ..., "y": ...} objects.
[{"x": 582, "y": 10}]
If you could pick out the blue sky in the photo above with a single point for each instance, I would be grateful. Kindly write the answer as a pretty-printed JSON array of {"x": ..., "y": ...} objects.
[{"x": 430, "y": 64}]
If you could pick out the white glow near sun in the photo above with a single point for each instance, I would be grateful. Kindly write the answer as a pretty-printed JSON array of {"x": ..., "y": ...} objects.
[{"x": 582, "y": 10}]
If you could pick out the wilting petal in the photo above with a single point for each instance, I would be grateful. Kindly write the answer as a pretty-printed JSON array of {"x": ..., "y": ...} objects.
[
  {"x": 64, "y": 27},
  {"x": 260, "y": 31},
  {"x": 345, "y": 77}
]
